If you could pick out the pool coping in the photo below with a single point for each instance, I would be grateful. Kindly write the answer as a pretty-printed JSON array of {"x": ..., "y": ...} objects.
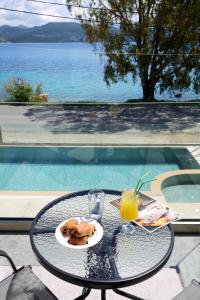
[
  {"x": 100, "y": 139},
  {"x": 184, "y": 209},
  {"x": 156, "y": 185}
]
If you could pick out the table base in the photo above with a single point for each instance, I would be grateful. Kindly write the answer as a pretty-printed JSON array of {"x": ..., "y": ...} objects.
[{"x": 86, "y": 292}]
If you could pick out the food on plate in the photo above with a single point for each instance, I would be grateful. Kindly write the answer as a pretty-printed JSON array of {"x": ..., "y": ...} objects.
[
  {"x": 92, "y": 230},
  {"x": 68, "y": 227},
  {"x": 74, "y": 240},
  {"x": 77, "y": 232},
  {"x": 82, "y": 229}
]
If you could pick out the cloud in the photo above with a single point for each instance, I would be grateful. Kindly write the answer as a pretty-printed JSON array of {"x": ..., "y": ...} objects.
[{"x": 17, "y": 18}]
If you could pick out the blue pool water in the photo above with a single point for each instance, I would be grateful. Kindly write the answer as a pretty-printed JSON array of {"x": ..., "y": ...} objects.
[
  {"x": 182, "y": 188},
  {"x": 70, "y": 168},
  {"x": 76, "y": 73}
]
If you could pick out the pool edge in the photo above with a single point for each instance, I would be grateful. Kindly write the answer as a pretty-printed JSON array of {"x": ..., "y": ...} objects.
[
  {"x": 188, "y": 210},
  {"x": 156, "y": 185}
]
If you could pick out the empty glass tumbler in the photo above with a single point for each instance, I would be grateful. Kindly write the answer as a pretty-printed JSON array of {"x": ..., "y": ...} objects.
[{"x": 96, "y": 204}]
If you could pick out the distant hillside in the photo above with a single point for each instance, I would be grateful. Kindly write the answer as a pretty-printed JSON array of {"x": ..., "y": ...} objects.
[{"x": 58, "y": 32}]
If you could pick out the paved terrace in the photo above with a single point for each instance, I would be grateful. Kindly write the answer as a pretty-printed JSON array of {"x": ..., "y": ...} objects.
[
  {"x": 100, "y": 125},
  {"x": 164, "y": 285}
]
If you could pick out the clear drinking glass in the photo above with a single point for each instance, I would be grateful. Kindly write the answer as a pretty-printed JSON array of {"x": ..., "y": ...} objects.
[
  {"x": 96, "y": 204},
  {"x": 129, "y": 210}
]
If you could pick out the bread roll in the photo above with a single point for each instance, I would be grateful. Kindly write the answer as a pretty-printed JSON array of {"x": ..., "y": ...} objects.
[
  {"x": 92, "y": 230},
  {"x": 68, "y": 227},
  {"x": 74, "y": 240},
  {"x": 82, "y": 229}
]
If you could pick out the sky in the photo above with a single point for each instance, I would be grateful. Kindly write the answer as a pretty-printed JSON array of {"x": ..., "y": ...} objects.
[{"x": 16, "y": 19}]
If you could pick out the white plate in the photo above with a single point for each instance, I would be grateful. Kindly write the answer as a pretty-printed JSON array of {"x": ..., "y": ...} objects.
[{"x": 93, "y": 240}]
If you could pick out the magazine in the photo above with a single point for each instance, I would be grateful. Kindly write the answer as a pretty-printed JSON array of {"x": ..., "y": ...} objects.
[{"x": 152, "y": 214}]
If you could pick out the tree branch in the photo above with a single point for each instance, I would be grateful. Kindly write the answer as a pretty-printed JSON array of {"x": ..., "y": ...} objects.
[{"x": 170, "y": 73}]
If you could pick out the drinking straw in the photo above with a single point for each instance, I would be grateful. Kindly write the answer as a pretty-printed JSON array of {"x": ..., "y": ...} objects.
[
  {"x": 139, "y": 181},
  {"x": 139, "y": 188}
]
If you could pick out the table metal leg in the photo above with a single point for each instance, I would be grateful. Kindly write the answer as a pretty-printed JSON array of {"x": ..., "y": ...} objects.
[
  {"x": 85, "y": 293},
  {"x": 127, "y": 295},
  {"x": 103, "y": 294},
  {"x": 84, "y": 290}
]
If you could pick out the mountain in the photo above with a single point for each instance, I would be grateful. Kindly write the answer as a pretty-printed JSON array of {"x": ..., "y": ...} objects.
[{"x": 55, "y": 32}]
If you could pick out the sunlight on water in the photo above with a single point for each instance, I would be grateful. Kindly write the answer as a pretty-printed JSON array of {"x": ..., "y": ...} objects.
[
  {"x": 71, "y": 168},
  {"x": 68, "y": 71}
]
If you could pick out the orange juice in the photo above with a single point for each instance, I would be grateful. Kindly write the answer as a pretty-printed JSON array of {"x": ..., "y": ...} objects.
[{"x": 129, "y": 206}]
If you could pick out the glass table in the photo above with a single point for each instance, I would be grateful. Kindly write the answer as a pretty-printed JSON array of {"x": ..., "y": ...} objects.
[{"x": 118, "y": 260}]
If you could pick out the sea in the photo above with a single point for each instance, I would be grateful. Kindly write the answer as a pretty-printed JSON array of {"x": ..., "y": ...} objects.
[{"x": 69, "y": 72}]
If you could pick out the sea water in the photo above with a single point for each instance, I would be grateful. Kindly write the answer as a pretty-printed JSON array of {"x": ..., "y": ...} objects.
[{"x": 69, "y": 72}]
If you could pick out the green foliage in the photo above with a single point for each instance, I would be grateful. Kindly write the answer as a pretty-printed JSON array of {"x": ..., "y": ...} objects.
[
  {"x": 19, "y": 92},
  {"x": 159, "y": 41},
  {"x": 23, "y": 91},
  {"x": 38, "y": 90}
]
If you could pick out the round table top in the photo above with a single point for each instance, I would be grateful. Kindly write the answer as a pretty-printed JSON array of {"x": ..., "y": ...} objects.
[{"x": 118, "y": 260}]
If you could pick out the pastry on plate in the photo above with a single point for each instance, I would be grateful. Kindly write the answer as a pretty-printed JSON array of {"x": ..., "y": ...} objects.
[
  {"x": 92, "y": 230},
  {"x": 82, "y": 229},
  {"x": 74, "y": 240},
  {"x": 68, "y": 227}
]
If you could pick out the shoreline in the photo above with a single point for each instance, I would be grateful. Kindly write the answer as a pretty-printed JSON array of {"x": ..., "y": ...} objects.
[{"x": 102, "y": 103}]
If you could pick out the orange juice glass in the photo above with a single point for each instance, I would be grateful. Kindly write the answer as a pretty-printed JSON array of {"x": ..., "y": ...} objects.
[
  {"x": 129, "y": 206},
  {"x": 129, "y": 209}
]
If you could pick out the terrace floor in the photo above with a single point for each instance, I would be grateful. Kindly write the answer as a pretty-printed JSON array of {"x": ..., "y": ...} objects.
[
  {"x": 100, "y": 125},
  {"x": 164, "y": 285}
]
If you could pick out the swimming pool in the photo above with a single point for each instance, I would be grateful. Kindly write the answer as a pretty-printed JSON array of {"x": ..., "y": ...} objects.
[
  {"x": 182, "y": 188},
  {"x": 78, "y": 168}
]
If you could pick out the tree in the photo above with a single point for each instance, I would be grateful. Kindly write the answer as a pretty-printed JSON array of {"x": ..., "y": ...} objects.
[
  {"x": 19, "y": 90},
  {"x": 22, "y": 91},
  {"x": 159, "y": 41}
]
